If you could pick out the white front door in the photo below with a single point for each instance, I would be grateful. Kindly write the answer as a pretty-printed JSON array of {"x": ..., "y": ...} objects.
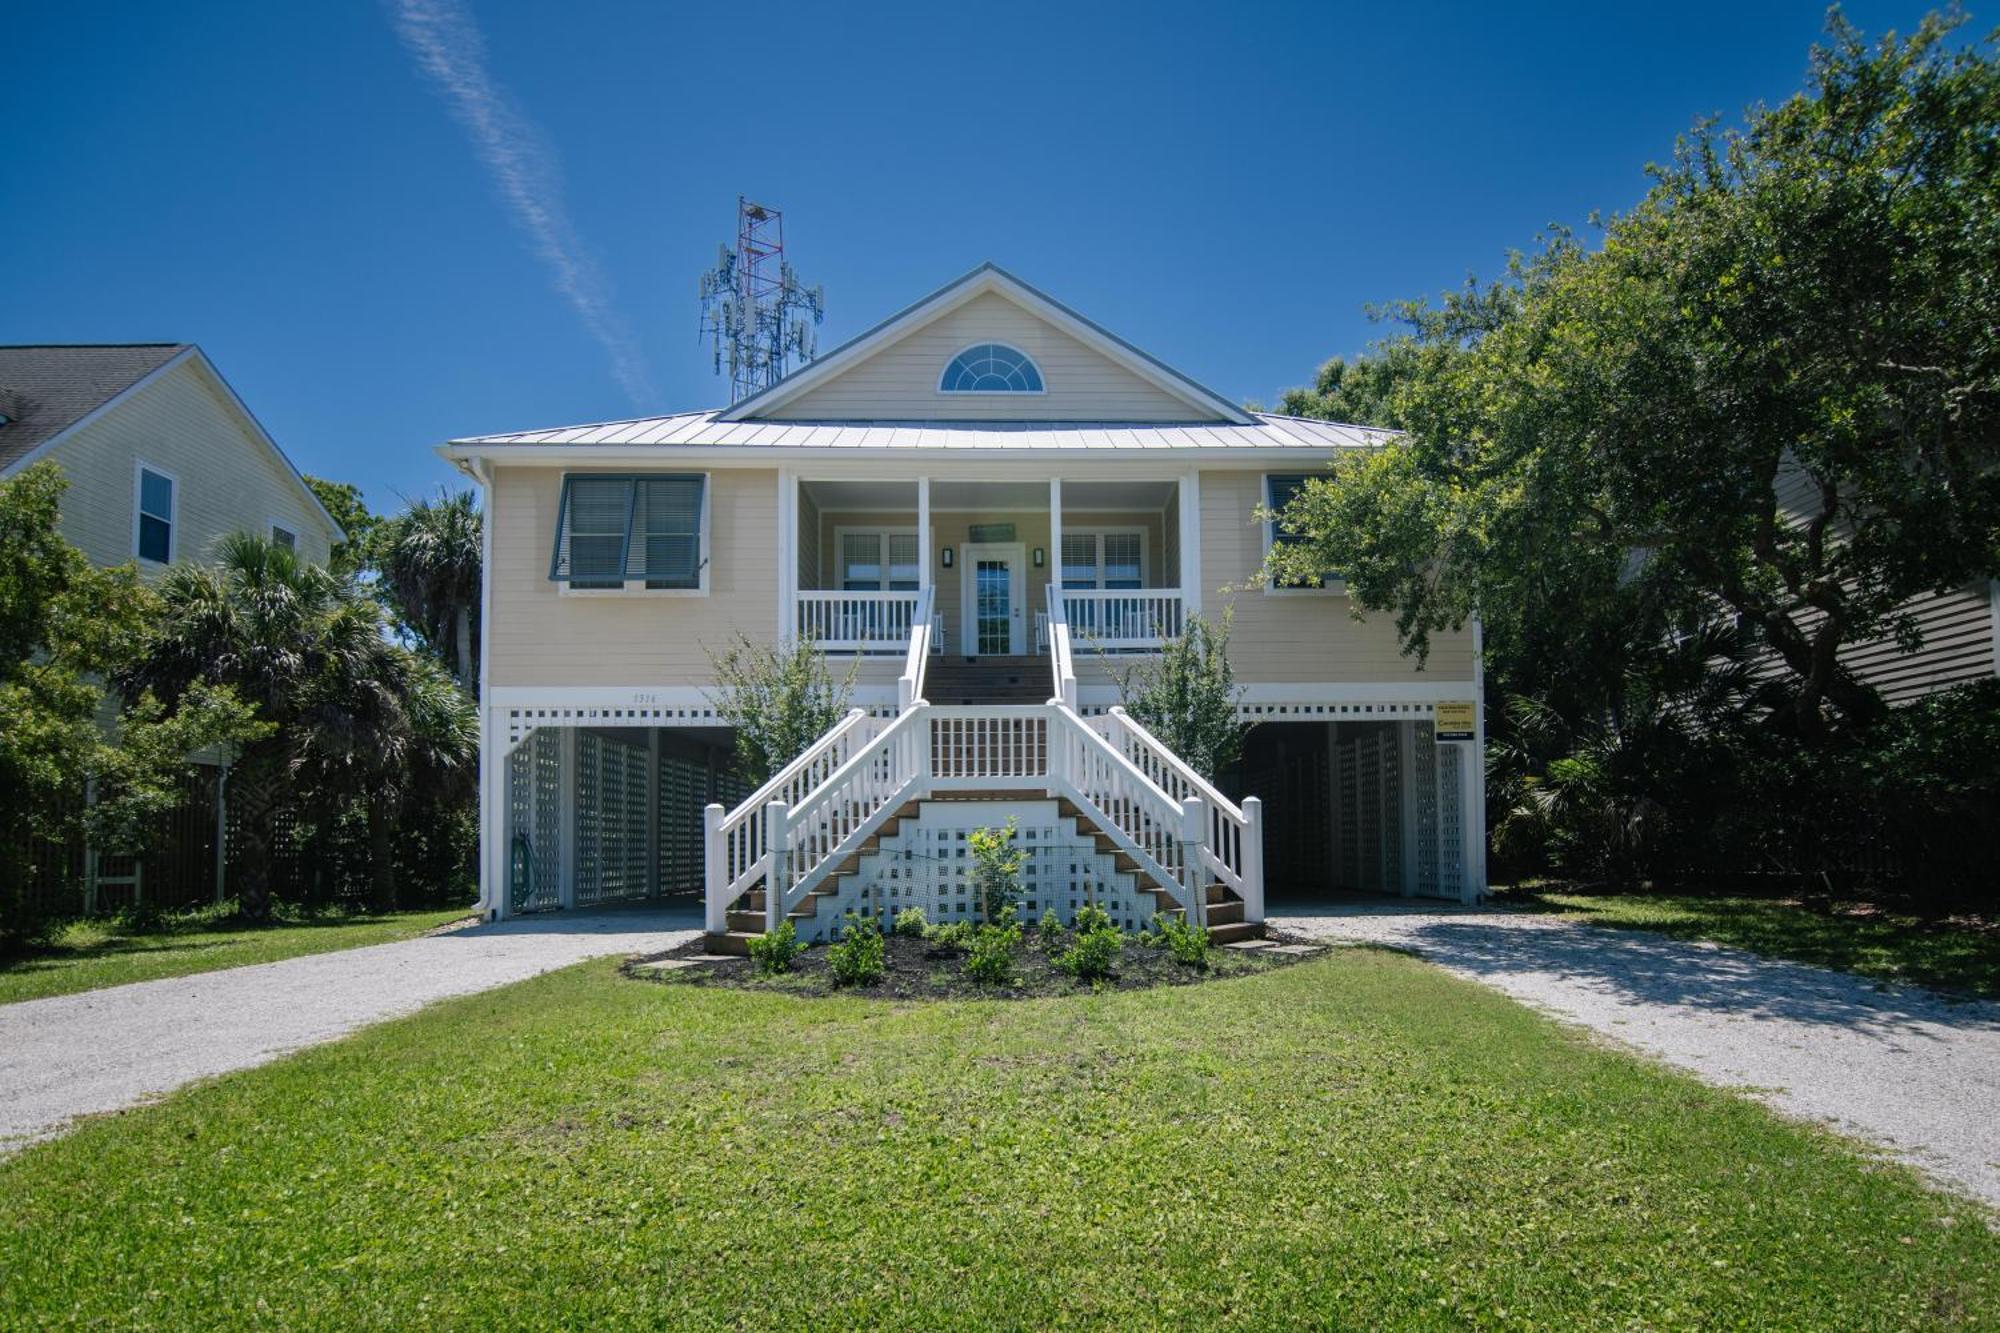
[{"x": 990, "y": 598}]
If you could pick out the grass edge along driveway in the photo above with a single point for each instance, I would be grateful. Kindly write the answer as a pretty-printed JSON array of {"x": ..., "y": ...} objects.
[
  {"x": 1360, "y": 1140},
  {"x": 89, "y": 955}
]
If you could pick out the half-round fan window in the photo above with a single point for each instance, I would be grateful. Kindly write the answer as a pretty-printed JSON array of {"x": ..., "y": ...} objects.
[{"x": 991, "y": 368}]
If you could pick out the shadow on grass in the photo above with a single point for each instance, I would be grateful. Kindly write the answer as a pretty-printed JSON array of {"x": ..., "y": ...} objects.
[
  {"x": 1956, "y": 956},
  {"x": 194, "y": 934}
]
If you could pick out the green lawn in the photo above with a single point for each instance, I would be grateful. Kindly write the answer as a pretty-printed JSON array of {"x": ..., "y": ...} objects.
[
  {"x": 1360, "y": 1140},
  {"x": 1955, "y": 956},
  {"x": 85, "y": 955}
]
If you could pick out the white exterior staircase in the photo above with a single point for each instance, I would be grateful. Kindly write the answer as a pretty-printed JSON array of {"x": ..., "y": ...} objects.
[{"x": 798, "y": 847}]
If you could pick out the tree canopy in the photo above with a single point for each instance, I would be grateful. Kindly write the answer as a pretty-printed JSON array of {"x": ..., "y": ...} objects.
[{"x": 1769, "y": 392}]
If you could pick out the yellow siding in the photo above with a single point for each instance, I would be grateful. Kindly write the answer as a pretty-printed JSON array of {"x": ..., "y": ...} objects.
[
  {"x": 899, "y": 382},
  {"x": 226, "y": 479},
  {"x": 1298, "y": 637},
  {"x": 542, "y": 637}
]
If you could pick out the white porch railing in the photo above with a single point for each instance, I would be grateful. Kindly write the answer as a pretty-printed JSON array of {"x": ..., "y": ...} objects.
[
  {"x": 863, "y": 622},
  {"x": 801, "y": 826},
  {"x": 1120, "y": 619}
]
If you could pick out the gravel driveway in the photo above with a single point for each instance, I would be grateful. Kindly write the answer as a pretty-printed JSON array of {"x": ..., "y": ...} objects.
[
  {"x": 105, "y": 1050},
  {"x": 1896, "y": 1065}
]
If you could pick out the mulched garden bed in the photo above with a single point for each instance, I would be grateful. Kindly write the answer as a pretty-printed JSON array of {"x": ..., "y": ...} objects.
[{"x": 918, "y": 970}]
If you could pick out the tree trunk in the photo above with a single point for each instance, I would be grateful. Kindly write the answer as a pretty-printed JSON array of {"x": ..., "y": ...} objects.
[
  {"x": 382, "y": 852},
  {"x": 462, "y": 645}
]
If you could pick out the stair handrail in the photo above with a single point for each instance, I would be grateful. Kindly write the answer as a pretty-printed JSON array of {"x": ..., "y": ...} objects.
[
  {"x": 735, "y": 843},
  {"x": 1157, "y": 834},
  {"x": 1229, "y": 825},
  {"x": 888, "y": 769},
  {"x": 1061, "y": 664},
  {"x": 910, "y": 685}
]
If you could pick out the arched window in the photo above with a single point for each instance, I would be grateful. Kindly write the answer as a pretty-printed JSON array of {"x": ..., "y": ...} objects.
[{"x": 991, "y": 368}]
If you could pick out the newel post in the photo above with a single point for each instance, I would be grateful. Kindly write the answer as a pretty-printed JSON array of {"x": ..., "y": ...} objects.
[
  {"x": 1253, "y": 859},
  {"x": 715, "y": 870},
  {"x": 1194, "y": 832},
  {"x": 777, "y": 861}
]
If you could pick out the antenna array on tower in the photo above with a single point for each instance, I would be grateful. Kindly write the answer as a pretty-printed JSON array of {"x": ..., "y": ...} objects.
[{"x": 754, "y": 309}]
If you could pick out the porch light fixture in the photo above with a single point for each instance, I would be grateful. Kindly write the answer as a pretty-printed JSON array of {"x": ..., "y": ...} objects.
[
  {"x": 947, "y": 556},
  {"x": 1041, "y": 557}
]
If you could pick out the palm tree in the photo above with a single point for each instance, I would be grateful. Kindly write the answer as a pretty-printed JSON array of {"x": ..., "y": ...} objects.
[
  {"x": 428, "y": 558},
  {"x": 355, "y": 716}
]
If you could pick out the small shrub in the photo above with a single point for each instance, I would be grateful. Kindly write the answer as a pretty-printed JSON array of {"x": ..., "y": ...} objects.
[
  {"x": 953, "y": 937},
  {"x": 1050, "y": 932},
  {"x": 1187, "y": 943},
  {"x": 774, "y": 950},
  {"x": 911, "y": 923},
  {"x": 1091, "y": 917},
  {"x": 996, "y": 869},
  {"x": 1093, "y": 954},
  {"x": 860, "y": 956},
  {"x": 991, "y": 957}
]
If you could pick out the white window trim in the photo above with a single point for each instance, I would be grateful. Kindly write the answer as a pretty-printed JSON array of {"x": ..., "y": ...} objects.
[
  {"x": 840, "y": 531},
  {"x": 140, "y": 467},
  {"x": 1097, "y": 536},
  {"x": 1329, "y": 588},
  {"x": 937, "y": 384},
  {"x": 703, "y": 552}
]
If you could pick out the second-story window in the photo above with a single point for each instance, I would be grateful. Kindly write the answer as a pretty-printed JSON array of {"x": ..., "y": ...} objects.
[
  {"x": 872, "y": 561},
  {"x": 1103, "y": 559},
  {"x": 1279, "y": 491},
  {"x": 154, "y": 540},
  {"x": 630, "y": 532},
  {"x": 285, "y": 537}
]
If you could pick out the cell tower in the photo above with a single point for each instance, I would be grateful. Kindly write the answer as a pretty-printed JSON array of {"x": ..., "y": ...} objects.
[{"x": 754, "y": 308}]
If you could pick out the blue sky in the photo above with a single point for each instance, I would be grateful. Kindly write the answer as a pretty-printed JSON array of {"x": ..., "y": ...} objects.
[{"x": 1227, "y": 186}]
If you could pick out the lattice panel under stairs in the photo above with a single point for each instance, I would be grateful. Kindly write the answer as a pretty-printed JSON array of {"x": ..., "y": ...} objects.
[
  {"x": 1451, "y": 829},
  {"x": 928, "y": 863}
]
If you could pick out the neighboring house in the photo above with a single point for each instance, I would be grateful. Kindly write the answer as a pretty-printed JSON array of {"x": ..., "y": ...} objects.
[
  {"x": 1959, "y": 629},
  {"x": 162, "y": 457},
  {"x": 992, "y": 507}
]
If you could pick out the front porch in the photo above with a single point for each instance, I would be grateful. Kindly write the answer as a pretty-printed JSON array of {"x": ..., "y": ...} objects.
[{"x": 986, "y": 567}]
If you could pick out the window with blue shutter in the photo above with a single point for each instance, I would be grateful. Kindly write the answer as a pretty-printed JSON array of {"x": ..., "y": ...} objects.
[
  {"x": 616, "y": 531},
  {"x": 1280, "y": 491}
]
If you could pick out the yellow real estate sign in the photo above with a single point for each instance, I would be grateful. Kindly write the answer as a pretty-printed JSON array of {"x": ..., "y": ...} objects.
[{"x": 1455, "y": 721}]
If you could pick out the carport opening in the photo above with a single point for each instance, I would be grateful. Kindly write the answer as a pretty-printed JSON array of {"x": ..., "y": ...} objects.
[
  {"x": 1354, "y": 807},
  {"x": 599, "y": 815}
]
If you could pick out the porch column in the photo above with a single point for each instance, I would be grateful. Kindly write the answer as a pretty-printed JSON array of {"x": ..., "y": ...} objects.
[
  {"x": 1475, "y": 817},
  {"x": 1190, "y": 573},
  {"x": 566, "y": 786},
  {"x": 926, "y": 553},
  {"x": 1055, "y": 531},
  {"x": 788, "y": 555}
]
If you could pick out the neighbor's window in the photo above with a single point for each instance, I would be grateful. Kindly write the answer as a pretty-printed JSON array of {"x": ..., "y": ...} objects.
[
  {"x": 620, "y": 532},
  {"x": 1280, "y": 491},
  {"x": 284, "y": 537},
  {"x": 991, "y": 368},
  {"x": 156, "y": 516}
]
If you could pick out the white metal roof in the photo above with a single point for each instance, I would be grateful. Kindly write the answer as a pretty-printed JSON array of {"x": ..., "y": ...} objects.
[{"x": 695, "y": 430}]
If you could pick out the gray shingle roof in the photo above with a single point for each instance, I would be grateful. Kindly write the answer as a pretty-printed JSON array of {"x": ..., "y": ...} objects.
[{"x": 44, "y": 389}]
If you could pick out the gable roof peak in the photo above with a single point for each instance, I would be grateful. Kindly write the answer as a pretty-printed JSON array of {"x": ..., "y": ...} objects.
[{"x": 989, "y": 276}]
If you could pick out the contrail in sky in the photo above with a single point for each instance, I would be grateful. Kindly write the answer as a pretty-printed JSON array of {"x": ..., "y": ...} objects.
[{"x": 446, "y": 44}]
